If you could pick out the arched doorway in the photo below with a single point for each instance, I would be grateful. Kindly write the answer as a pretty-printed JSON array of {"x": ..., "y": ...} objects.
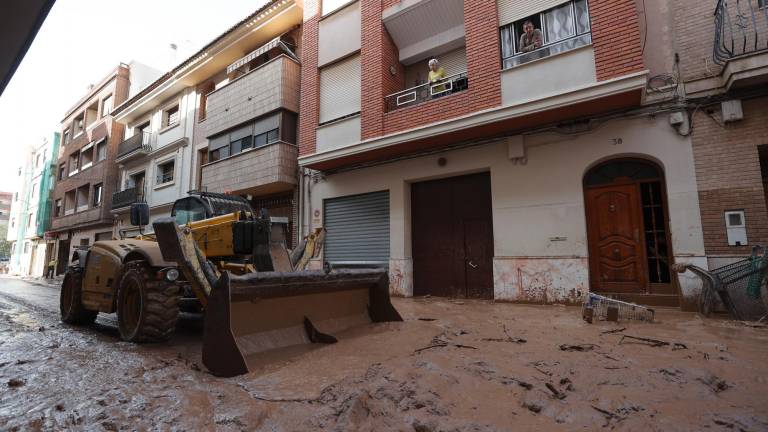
[{"x": 628, "y": 231}]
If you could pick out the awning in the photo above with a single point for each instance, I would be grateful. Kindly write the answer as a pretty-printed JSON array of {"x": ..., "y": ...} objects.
[{"x": 274, "y": 43}]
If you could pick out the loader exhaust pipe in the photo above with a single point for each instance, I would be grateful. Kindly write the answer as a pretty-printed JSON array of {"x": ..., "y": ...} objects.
[{"x": 251, "y": 317}]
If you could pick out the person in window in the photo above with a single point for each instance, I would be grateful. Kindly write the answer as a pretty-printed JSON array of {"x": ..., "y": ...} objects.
[
  {"x": 531, "y": 38},
  {"x": 436, "y": 74}
]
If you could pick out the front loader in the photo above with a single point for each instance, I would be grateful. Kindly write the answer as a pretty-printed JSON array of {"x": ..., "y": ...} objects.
[{"x": 236, "y": 269}]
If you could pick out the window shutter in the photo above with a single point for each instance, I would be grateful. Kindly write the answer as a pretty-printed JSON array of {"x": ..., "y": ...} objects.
[
  {"x": 340, "y": 89},
  {"x": 454, "y": 62},
  {"x": 266, "y": 124},
  {"x": 513, "y": 10},
  {"x": 218, "y": 142},
  {"x": 357, "y": 228},
  {"x": 241, "y": 133}
]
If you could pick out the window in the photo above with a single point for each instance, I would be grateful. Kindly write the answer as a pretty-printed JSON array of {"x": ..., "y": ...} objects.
[
  {"x": 86, "y": 156},
  {"x": 165, "y": 172},
  {"x": 204, "y": 90},
  {"x": 188, "y": 210},
  {"x": 34, "y": 190},
  {"x": 555, "y": 30},
  {"x": 85, "y": 241},
  {"x": 135, "y": 181},
  {"x": 266, "y": 138},
  {"x": 106, "y": 106},
  {"x": 171, "y": 116},
  {"x": 91, "y": 114},
  {"x": 66, "y": 136},
  {"x": 83, "y": 193},
  {"x": 74, "y": 160},
  {"x": 265, "y": 130},
  {"x": 13, "y": 222},
  {"x": 30, "y": 220},
  {"x": 26, "y": 247},
  {"x": 340, "y": 89},
  {"x": 62, "y": 171},
  {"x": 77, "y": 125},
  {"x": 144, "y": 130},
  {"x": 101, "y": 150},
  {"x": 69, "y": 202},
  {"x": 97, "y": 192},
  {"x": 37, "y": 161},
  {"x": 57, "y": 208}
]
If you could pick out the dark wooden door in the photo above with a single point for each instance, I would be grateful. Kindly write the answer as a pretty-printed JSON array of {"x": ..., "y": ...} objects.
[
  {"x": 62, "y": 257},
  {"x": 452, "y": 237},
  {"x": 614, "y": 226}
]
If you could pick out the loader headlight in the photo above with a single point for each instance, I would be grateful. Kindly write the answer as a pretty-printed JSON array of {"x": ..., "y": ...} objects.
[{"x": 171, "y": 275}]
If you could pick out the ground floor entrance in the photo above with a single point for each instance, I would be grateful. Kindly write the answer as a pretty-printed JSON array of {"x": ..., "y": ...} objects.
[
  {"x": 628, "y": 232},
  {"x": 452, "y": 237}
]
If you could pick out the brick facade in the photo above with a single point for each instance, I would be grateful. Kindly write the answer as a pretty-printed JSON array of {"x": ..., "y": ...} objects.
[
  {"x": 615, "y": 38},
  {"x": 104, "y": 172},
  {"x": 309, "y": 106},
  {"x": 728, "y": 175}
]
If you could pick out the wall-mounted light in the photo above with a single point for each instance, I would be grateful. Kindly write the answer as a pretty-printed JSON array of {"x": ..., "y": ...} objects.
[{"x": 393, "y": 70}]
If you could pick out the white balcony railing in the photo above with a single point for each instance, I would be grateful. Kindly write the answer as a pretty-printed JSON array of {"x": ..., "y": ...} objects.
[{"x": 424, "y": 92}]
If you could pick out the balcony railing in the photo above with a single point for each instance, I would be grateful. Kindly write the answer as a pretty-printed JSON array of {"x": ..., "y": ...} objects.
[
  {"x": 140, "y": 141},
  {"x": 741, "y": 28},
  {"x": 127, "y": 197},
  {"x": 422, "y": 93}
]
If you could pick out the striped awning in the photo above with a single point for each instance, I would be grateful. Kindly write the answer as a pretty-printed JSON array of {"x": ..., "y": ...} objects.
[{"x": 253, "y": 54}]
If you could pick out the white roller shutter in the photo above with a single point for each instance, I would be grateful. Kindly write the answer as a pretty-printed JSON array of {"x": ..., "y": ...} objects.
[
  {"x": 357, "y": 228},
  {"x": 331, "y": 5},
  {"x": 340, "y": 89},
  {"x": 513, "y": 10},
  {"x": 454, "y": 62}
]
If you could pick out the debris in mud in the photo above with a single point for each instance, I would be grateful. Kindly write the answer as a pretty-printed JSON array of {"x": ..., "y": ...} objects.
[
  {"x": 716, "y": 384},
  {"x": 532, "y": 407},
  {"x": 509, "y": 338},
  {"x": 609, "y": 416},
  {"x": 22, "y": 362},
  {"x": 439, "y": 341},
  {"x": 618, "y": 330},
  {"x": 16, "y": 382},
  {"x": 579, "y": 347},
  {"x": 418, "y": 426},
  {"x": 59, "y": 407},
  {"x": 644, "y": 341},
  {"x": 555, "y": 392},
  {"x": 41, "y": 329},
  {"x": 427, "y": 319}
]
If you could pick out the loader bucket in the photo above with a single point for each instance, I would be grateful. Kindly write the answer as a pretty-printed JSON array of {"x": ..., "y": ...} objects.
[{"x": 249, "y": 316}]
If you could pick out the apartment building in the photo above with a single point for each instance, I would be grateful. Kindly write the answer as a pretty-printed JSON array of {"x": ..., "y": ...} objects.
[
  {"x": 723, "y": 70},
  {"x": 539, "y": 166},
  {"x": 86, "y": 172},
  {"x": 6, "y": 198},
  {"x": 31, "y": 249},
  {"x": 222, "y": 121}
]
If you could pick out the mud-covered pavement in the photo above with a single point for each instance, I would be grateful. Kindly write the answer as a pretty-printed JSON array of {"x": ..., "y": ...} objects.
[{"x": 451, "y": 366}]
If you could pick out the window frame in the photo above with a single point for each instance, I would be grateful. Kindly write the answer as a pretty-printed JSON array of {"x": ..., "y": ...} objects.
[
  {"x": 100, "y": 188},
  {"x": 158, "y": 172},
  {"x": 165, "y": 122},
  {"x": 546, "y": 50},
  {"x": 106, "y": 98}
]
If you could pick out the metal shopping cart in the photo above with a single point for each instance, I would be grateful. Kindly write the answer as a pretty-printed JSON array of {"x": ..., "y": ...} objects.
[{"x": 740, "y": 286}]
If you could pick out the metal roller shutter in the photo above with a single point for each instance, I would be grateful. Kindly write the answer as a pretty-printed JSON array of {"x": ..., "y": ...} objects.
[
  {"x": 513, "y": 10},
  {"x": 357, "y": 228},
  {"x": 340, "y": 89}
]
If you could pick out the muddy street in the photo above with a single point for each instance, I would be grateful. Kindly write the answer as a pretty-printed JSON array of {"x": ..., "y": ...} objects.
[{"x": 451, "y": 366}]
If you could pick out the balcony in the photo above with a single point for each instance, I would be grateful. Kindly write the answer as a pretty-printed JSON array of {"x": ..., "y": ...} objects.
[
  {"x": 263, "y": 170},
  {"x": 741, "y": 29},
  {"x": 127, "y": 197},
  {"x": 136, "y": 146},
  {"x": 422, "y": 93},
  {"x": 271, "y": 86}
]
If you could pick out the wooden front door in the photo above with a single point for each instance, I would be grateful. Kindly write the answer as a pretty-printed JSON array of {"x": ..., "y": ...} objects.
[
  {"x": 614, "y": 225},
  {"x": 452, "y": 237}
]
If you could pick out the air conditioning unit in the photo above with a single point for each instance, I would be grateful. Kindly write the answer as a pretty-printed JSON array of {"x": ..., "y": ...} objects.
[
  {"x": 731, "y": 110},
  {"x": 736, "y": 228}
]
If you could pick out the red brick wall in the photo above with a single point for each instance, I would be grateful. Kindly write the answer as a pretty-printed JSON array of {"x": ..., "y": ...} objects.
[
  {"x": 728, "y": 175},
  {"x": 483, "y": 70},
  {"x": 615, "y": 38},
  {"x": 309, "y": 104}
]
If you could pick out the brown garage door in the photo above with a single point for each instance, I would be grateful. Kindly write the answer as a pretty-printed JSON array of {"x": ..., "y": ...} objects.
[{"x": 452, "y": 237}]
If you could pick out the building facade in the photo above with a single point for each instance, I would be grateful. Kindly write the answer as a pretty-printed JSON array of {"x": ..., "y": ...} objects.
[
  {"x": 723, "y": 69},
  {"x": 540, "y": 165},
  {"x": 222, "y": 121},
  {"x": 86, "y": 171},
  {"x": 31, "y": 250},
  {"x": 6, "y": 198}
]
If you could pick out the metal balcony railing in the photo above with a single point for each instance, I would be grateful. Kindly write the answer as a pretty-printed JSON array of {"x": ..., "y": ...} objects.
[
  {"x": 422, "y": 93},
  {"x": 127, "y": 197},
  {"x": 140, "y": 141},
  {"x": 741, "y": 28}
]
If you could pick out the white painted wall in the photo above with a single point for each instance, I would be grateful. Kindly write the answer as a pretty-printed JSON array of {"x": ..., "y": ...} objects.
[
  {"x": 548, "y": 76},
  {"x": 338, "y": 134},
  {"x": 535, "y": 202}
]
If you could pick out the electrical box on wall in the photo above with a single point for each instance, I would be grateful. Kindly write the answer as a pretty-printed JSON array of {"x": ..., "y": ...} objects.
[
  {"x": 732, "y": 110},
  {"x": 736, "y": 228},
  {"x": 516, "y": 147}
]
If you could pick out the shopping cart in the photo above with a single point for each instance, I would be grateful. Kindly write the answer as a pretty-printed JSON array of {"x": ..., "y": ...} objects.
[
  {"x": 601, "y": 308},
  {"x": 740, "y": 286}
]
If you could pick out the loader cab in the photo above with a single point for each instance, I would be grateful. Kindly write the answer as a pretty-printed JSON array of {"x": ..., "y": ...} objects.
[{"x": 205, "y": 205}]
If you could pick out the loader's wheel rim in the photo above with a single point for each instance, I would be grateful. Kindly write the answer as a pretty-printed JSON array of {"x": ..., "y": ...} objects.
[{"x": 132, "y": 305}]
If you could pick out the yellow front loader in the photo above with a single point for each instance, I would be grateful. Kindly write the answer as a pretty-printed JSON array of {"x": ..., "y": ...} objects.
[{"x": 217, "y": 256}]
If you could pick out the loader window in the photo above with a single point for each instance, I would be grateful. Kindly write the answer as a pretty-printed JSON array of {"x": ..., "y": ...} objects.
[{"x": 188, "y": 210}]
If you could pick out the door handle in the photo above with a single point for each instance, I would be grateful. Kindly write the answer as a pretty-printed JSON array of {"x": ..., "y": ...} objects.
[{"x": 471, "y": 264}]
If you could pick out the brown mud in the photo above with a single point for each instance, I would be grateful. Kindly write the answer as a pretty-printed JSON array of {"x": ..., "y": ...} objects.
[{"x": 451, "y": 366}]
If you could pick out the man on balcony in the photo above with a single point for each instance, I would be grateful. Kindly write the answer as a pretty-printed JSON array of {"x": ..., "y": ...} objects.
[
  {"x": 531, "y": 39},
  {"x": 436, "y": 74}
]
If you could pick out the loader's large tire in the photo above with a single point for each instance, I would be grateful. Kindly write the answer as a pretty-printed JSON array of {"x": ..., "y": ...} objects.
[
  {"x": 71, "y": 299},
  {"x": 147, "y": 309}
]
